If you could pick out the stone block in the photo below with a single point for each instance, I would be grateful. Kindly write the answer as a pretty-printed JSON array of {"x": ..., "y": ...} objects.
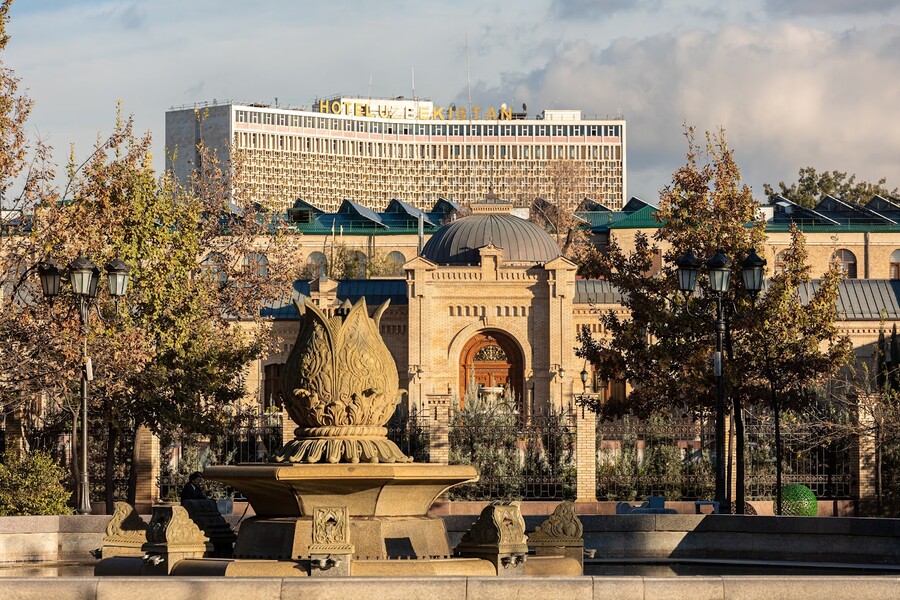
[
  {"x": 580, "y": 588},
  {"x": 618, "y": 588},
  {"x": 678, "y": 522},
  {"x": 25, "y": 547},
  {"x": 382, "y": 588},
  {"x": 71, "y": 588},
  {"x": 659, "y": 544},
  {"x": 833, "y": 588},
  {"x": 188, "y": 588},
  {"x": 677, "y": 588}
]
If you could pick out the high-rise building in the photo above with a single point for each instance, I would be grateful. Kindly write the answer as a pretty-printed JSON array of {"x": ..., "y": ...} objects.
[{"x": 372, "y": 150}]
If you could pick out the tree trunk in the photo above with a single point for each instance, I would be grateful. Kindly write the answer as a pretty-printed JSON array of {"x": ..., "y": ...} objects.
[
  {"x": 879, "y": 454},
  {"x": 112, "y": 436},
  {"x": 775, "y": 410}
]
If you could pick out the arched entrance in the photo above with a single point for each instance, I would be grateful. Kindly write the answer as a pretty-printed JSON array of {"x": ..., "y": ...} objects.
[{"x": 493, "y": 362}]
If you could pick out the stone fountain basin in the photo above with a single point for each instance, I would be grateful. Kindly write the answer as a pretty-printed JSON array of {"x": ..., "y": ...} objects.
[
  {"x": 368, "y": 490},
  {"x": 387, "y": 503}
]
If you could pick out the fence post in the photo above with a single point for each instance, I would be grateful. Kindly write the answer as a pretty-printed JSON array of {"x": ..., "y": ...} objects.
[
  {"x": 862, "y": 454},
  {"x": 438, "y": 413},
  {"x": 146, "y": 461},
  {"x": 586, "y": 455}
]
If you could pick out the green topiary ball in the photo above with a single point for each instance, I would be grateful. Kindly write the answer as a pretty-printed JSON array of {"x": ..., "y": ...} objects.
[{"x": 797, "y": 501}]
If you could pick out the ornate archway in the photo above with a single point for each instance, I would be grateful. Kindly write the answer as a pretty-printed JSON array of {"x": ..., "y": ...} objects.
[{"x": 492, "y": 360}]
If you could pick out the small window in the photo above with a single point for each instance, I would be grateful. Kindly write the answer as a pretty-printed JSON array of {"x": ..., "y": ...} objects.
[
  {"x": 316, "y": 265},
  {"x": 895, "y": 264},
  {"x": 847, "y": 262},
  {"x": 256, "y": 264}
]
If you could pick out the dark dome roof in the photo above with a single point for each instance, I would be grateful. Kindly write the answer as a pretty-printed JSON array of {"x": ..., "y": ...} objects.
[{"x": 521, "y": 240}]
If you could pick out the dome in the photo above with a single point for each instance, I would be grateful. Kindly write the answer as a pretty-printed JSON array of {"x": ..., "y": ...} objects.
[{"x": 522, "y": 241}]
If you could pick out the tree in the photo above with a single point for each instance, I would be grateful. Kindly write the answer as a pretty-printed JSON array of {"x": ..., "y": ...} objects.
[
  {"x": 203, "y": 261},
  {"x": 660, "y": 346},
  {"x": 558, "y": 214},
  {"x": 794, "y": 346},
  {"x": 811, "y": 186}
]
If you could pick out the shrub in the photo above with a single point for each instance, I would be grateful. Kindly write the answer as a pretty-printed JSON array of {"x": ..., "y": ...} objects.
[
  {"x": 33, "y": 485},
  {"x": 798, "y": 501}
]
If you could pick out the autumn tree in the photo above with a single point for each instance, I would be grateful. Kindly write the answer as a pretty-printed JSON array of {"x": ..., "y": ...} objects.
[
  {"x": 558, "y": 213},
  {"x": 203, "y": 262},
  {"x": 812, "y": 185},
  {"x": 663, "y": 343}
]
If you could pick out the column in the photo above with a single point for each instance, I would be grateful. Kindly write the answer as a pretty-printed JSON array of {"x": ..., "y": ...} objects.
[
  {"x": 146, "y": 461},
  {"x": 586, "y": 455}
]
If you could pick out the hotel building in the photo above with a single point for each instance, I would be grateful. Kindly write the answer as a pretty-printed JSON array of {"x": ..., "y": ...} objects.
[{"x": 376, "y": 150}]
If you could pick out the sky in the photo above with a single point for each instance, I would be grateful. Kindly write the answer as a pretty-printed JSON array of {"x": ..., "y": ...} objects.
[{"x": 794, "y": 83}]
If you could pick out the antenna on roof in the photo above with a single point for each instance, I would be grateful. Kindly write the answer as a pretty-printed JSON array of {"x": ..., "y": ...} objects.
[
  {"x": 413, "y": 82},
  {"x": 468, "y": 79},
  {"x": 370, "y": 84}
]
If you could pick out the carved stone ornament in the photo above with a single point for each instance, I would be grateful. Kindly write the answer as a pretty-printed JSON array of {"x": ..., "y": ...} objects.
[
  {"x": 331, "y": 531},
  {"x": 562, "y": 526},
  {"x": 499, "y": 528},
  {"x": 341, "y": 387},
  {"x": 125, "y": 525},
  {"x": 172, "y": 526}
]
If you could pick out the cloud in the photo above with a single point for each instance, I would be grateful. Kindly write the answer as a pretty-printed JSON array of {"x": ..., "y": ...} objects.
[
  {"x": 828, "y": 7},
  {"x": 598, "y": 9},
  {"x": 788, "y": 97},
  {"x": 131, "y": 16}
]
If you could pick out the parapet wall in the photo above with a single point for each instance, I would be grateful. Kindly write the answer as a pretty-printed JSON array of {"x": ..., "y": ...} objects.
[
  {"x": 730, "y": 537},
  {"x": 50, "y": 538}
]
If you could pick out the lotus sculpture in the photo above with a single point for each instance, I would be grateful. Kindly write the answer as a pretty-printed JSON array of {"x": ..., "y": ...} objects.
[{"x": 340, "y": 386}]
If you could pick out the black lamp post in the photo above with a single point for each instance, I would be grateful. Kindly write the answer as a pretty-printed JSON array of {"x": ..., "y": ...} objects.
[
  {"x": 719, "y": 269},
  {"x": 84, "y": 276}
]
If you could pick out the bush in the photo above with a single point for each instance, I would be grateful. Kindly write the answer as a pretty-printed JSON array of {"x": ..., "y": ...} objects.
[{"x": 33, "y": 485}]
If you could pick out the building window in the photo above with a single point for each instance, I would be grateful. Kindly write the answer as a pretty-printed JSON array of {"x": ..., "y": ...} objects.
[
  {"x": 780, "y": 259},
  {"x": 316, "y": 265},
  {"x": 895, "y": 264},
  {"x": 256, "y": 264},
  {"x": 394, "y": 262},
  {"x": 272, "y": 399},
  {"x": 847, "y": 262}
]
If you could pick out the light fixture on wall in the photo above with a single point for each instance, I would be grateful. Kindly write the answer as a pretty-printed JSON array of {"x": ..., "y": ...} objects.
[
  {"x": 415, "y": 372},
  {"x": 556, "y": 370}
]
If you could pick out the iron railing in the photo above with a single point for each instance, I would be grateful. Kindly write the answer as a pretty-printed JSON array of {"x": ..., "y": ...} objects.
[{"x": 531, "y": 459}]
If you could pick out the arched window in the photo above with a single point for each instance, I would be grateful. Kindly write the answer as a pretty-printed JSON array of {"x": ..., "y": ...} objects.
[
  {"x": 847, "y": 261},
  {"x": 213, "y": 267},
  {"x": 394, "y": 262},
  {"x": 316, "y": 265},
  {"x": 357, "y": 265},
  {"x": 780, "y": 259},
  {"x": 272, "y": 399},
  {"x": 256, "y": 264},
  {"x": 895, "y": 264}
]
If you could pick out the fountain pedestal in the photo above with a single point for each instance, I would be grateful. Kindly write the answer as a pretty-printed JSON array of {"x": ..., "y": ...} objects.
[{"x": 387, "y": 503}]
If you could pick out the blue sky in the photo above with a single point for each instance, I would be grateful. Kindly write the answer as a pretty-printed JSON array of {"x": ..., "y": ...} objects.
[{"x": 793, "y": 82}]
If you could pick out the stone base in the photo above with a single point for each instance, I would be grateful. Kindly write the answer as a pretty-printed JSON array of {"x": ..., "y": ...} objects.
[{"x": 289, "y": 538}]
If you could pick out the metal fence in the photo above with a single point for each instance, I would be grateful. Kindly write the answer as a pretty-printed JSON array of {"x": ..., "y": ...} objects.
[
  {"x": 256, "y": 441},
  {"x": 412, "y": 434},
  {"x": 636, "y": 459},
  {"x": 676, "y": 458},
  {"x": 810, "y": 457},
  {"x": 529, "y": 460}
]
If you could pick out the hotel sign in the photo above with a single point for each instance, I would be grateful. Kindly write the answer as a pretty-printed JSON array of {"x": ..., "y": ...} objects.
[{"x": 411, "y": 110}]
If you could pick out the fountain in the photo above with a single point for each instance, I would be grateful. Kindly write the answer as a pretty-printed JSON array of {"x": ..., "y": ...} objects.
[{"x": 341, "y": 498}]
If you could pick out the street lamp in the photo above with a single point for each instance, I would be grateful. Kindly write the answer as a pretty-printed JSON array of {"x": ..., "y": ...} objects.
[
  {"x": 719, "y": 269},
  {"x": 84, "y": 277}
]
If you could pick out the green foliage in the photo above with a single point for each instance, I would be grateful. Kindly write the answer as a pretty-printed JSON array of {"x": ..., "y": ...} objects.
[
  {"x": 798, "y": 501},
  {"x": 811, "y": 186},
  {"x": 486, "y": 438},
  {"x": 33, "y": 485},
  {"x": 662, "y": 469}
]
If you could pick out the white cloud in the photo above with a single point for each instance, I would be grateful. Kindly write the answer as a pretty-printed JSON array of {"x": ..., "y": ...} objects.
[{"x": 787, "y": 96}]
